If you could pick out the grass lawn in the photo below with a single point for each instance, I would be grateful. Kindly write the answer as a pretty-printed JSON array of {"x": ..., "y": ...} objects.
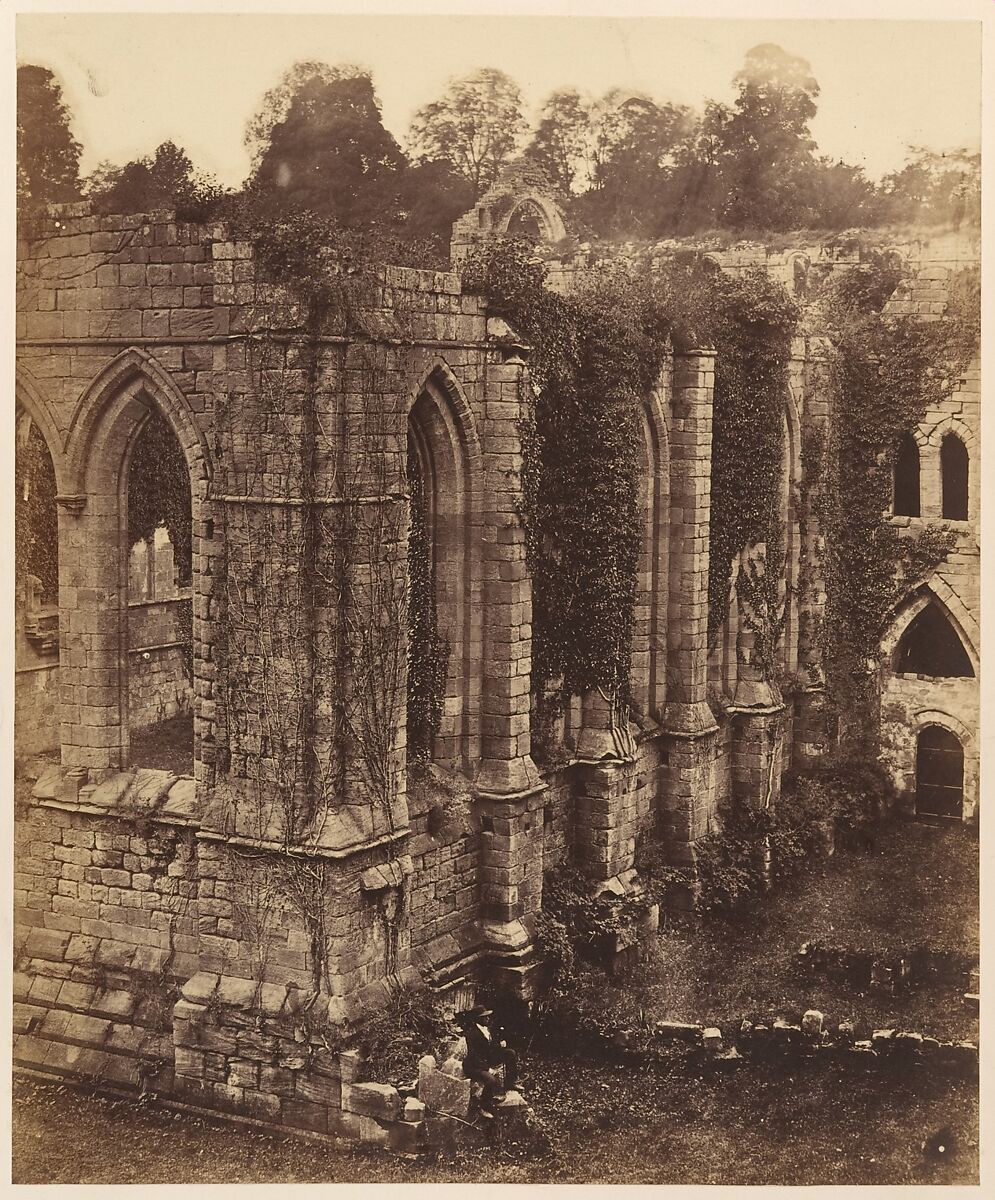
[
  {"x": 607, "y": 1125},
  {"x": 917, "y": 883}
]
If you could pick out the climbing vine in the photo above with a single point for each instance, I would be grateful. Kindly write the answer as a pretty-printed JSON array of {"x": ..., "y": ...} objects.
[
  {"x": 36, "y": 522},
  {"x": 888, "y": 371},
  {"x": 749, "y": 321},
  {"x": 595, "y": 355}
]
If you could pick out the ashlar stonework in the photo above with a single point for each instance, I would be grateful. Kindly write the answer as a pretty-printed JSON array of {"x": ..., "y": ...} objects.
[{"x": 196, "y": 935}]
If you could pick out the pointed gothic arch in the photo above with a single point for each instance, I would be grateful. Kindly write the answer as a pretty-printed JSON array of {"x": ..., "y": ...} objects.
[
  {"x": 29, "y": 397},
  {"x": 106, "y": 424},
  {"x": 946, "y": 601},
  {"x": 444, "y": 454}
]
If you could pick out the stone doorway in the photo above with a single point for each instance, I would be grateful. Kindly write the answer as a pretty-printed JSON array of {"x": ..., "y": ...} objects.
[{"x": 939, "y": 774}]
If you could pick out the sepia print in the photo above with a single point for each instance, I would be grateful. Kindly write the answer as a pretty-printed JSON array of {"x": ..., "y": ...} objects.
[{"x": 497, "y": 600}]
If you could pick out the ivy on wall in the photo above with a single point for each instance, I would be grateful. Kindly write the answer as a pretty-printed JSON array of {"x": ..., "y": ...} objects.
[
  {"x": 888, "y": 371},
  {"x": 36, "y": 519},
  {"x": 749, "y": 321},
  {"x": 595, "y": 355}
]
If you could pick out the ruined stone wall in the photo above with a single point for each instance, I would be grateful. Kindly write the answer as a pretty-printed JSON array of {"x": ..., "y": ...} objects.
[
  {"x": 106, "y": 929},
  {"x": 159, "y": 661},
  {"x": 909, "y": 703},
  {"x": 301, "y": 874},
  {"x": 282, "y": 435}
]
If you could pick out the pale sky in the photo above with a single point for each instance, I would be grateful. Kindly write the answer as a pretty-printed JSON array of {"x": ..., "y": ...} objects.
[{"x": 135, "y": 80}]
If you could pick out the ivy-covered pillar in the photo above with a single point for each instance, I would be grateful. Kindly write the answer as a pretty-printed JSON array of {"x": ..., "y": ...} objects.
[
  {"x": 507, "y": 785},
  {"x": 809, "y": 727},
  {"x": 689, "y": 727},
  {"x": 757, "y": 710}
]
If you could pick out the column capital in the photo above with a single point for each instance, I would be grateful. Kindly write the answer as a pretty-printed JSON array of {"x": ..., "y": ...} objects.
[{"x": 71, "y": 503}]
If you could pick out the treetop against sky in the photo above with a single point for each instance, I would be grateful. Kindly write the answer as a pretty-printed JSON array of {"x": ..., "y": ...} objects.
[{"x": 133, "y": 81}]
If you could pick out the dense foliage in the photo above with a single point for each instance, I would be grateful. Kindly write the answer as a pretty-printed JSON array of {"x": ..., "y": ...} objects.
[
  {"x": 165, "y": 181},
  {"x": 159, "y": 491},
  {"x": 47, "y": 152},
  {"x": 595, "y": 355},
  {"x": 749, "y": 321},
  {"x": 633, "y": 165},
  {"x": 755, "y": 849},
  {"x": 888, "y": 372},
  {"x": 36, "y": 518}
]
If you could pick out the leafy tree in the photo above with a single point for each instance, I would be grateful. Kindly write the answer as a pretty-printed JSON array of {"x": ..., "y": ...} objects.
[
  {"x": 843, "y": 196},
  {"x": 432, "y": 197},
  {"x": 696, "y": 185},
  {"x": 277, "y": 101},
  {"x": 636, "y": 144},
  {"x": 47, "y": 152},
  {"x": 768, "y": 150},
  {"x": 935, "y": 187},
  {"x": 476, "y": 126},
  {"x": 165, "y": 181},
  {"x": 561, "y": 144},
  {"x": 329, "y": 151}
]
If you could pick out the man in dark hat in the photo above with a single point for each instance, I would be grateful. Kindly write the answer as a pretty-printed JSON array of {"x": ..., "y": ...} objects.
[{"x": 484, "y": 1053}]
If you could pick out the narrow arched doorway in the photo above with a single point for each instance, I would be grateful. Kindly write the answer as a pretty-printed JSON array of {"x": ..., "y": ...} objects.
[{"x": 939, "y": 773}]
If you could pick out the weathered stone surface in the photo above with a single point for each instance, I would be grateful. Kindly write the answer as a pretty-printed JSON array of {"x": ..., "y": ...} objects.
[
  {"x": 679, "y": 1031},
  {"x": 47, "y": 783},
  {"x": 378, "y": 1100},
  {"x": 143, "y": 874},
  {"x": 448, "y": 1095}
]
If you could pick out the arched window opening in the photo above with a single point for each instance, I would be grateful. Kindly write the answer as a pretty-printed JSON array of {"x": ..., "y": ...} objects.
[
  {"x": 36, "y": 592},
  {"x": 954, "y": 476},
  {"x": 438, "y": 610},
  {"x": 526, "y": 222},
  {"x": 939, "y": 773},
  {"x": 160, "y": 607},
  {"x": 930, "y": 646},
  {"x": 906, "y": 495},
  {"x": 36, "y": 519},
  {"x": 426, "y": 650}
]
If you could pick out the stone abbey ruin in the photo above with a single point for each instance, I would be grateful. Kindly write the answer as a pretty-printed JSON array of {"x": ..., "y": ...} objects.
[{"x": 199, "y": 933}]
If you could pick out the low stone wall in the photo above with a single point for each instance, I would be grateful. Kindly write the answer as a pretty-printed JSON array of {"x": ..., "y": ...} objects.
[
  {"x": 794, "y": 1043},
  {"x": 887, "y": 970}
]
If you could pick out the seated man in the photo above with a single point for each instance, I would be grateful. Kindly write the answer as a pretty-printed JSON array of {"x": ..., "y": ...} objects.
[{"x": 484, "y": 1052}]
